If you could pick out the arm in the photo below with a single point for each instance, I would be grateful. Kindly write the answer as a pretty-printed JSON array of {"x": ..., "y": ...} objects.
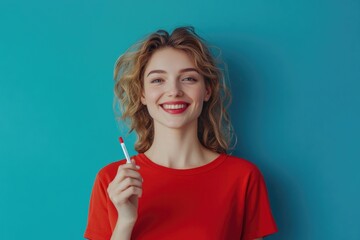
[
  {"x": 259, "y": 221},
  {"x": 124, "y": 191},
  {"x": 122, "y": 231}
]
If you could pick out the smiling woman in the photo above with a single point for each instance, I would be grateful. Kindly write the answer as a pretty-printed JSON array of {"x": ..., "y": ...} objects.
[
  {"x": 215, "y": 129},
  {"x": 174, "y": 95},
  {"x": 174, "y": 91}
]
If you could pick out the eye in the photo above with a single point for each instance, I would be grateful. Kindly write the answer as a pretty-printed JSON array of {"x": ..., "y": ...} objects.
[
  {"x": 189, "y": 79},
  {"x": 158, "y": 80}
]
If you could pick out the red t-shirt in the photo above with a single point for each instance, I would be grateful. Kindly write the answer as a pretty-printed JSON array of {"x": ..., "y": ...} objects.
[{"x": 224, "y": 199}]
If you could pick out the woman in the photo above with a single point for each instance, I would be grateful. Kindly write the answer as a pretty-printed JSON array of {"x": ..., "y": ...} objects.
[{"x": 182, "y": 184}]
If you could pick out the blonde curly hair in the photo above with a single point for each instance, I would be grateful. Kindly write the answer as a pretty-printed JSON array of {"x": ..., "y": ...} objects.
[{"x": 214, "y": 127}]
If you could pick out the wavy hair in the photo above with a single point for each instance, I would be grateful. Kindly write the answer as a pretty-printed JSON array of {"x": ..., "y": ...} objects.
[{"x": 214, "y": 127}]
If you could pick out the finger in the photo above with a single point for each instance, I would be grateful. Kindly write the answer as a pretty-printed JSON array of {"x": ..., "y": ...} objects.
[
  {"x": 128, "y": 165},
  {"x": 131, "y": 191},
  {"x": 125, "y": 184},
  {"x": 116, "y": 189},
  {"x": 125, "y": 195},
  {"x": 124, "y": 171}
]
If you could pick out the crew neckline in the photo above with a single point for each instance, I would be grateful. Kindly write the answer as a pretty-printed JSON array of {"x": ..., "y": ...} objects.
[{"x": 188, "y": 171}]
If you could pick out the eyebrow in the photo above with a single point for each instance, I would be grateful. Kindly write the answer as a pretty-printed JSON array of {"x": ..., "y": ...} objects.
[{"x": 181, "y": 71}]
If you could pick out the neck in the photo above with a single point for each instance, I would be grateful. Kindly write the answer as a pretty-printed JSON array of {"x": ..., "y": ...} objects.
[{"x": 178, "y": 148}]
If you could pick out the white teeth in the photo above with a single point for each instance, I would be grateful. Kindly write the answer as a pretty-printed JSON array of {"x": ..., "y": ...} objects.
[{"x": 174, "y": 106}]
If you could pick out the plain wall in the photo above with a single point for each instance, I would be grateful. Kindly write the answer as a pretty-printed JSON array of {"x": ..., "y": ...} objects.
[{"x": 294, "y": 73}]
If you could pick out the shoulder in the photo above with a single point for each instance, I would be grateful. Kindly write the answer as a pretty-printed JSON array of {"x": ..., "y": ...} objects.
[
  {"x": 242, "y": 164},
  {"x": 108, "y": 172},
  {"x": 246, "y": 173},
  {"x": 110, "y": 168},
  {"x": 241, "y": 169}
]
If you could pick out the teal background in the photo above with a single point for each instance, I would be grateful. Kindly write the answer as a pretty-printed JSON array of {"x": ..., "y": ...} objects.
[{"x": 294, "y": 72}]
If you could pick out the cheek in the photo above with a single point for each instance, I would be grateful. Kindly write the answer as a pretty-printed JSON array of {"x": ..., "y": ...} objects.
[
  {"x": 151, "y": 96},
  {"x": 200, "y": 94},
  {"x": 199, "y": 98}
]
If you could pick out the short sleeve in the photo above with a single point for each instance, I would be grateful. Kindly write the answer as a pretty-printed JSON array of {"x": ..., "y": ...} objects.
[
  {"x": 259, "y": 221},
  {"x": 98, "y": 226}
]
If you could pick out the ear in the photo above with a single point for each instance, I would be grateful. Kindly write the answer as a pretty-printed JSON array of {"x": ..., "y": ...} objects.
[
  {"x": 143, "y": 101},
  {"x": 207, "y": 94}
]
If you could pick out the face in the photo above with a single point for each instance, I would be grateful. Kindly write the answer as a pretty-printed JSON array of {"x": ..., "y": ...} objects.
[{"x": 174, "y": 91}]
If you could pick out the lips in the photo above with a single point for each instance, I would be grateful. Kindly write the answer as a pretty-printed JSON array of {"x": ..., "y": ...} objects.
[{"x": 174, "y": 107}]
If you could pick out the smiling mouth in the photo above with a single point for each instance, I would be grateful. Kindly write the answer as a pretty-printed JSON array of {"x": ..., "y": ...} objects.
[{"x": 174, "y": 106}]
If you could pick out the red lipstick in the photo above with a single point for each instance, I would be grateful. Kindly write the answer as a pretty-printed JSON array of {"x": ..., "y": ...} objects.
[{"x": 175, "y": 107}]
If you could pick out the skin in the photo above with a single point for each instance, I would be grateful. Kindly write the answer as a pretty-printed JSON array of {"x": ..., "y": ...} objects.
[
  {"x": 172, "y": 83},
  {"x": 170, "y": 76},
  {"x": 124, "y": 191}
]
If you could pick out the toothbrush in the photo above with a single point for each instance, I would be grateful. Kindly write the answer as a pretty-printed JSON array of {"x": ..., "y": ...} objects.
[{"x": 124, "y": 150}]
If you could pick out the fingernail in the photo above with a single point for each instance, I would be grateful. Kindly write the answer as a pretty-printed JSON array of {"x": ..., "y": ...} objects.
[{"x": 137, "y": 166}]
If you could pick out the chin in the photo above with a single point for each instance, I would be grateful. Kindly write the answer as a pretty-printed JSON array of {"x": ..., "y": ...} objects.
[{"x": 177, "y": 125}]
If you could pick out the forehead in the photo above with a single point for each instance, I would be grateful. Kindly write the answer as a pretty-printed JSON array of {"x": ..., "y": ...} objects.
[{"x": 169, "y": 60}]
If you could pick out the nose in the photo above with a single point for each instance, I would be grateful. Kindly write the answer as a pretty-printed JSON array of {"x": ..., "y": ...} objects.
[{"x": 174, "y": 89}]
